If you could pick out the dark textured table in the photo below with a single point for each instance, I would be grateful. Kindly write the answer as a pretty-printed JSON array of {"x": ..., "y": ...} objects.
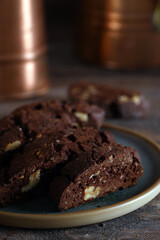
[{"x": 143, "y": 223}]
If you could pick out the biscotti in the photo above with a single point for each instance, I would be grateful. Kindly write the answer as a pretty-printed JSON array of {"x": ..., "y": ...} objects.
[
  {"x": 33, "y": 166},
  {"x": 102, "y": 170},
  {"x": 31, "y": 121},
  {"x": 117, "y": 102}
]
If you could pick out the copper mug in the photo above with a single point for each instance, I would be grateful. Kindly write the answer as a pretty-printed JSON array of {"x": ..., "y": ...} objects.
[
  {"x": 119, "y": 34},
  {"x": 23, "y": 68}
]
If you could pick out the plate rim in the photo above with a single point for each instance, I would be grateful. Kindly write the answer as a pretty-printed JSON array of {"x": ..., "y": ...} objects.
[{"x": 64, "y": 220}]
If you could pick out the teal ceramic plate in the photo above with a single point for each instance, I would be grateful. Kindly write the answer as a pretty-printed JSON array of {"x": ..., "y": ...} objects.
[{"x": 42, "y": 214}]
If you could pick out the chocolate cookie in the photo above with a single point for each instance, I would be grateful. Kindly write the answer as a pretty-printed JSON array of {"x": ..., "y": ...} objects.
[
  {"x": 117, "y": 102},
  {"x": 103, "y": 169},
  {"x": 31, "y": 121},
  {"x": 32, "y": 168}
]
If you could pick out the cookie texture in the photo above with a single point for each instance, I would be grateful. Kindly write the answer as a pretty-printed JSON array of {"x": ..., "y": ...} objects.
[
  {"x": 102, "y": 170},
  {"x": 11, "y": 135},
  {"x": 30, "y": 170},
  {"x": 32, "y": 121},
  {"x": 117, "y": 102}
]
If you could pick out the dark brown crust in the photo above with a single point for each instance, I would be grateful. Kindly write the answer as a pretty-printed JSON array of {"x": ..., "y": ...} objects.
[
  {"x": 109, "y": 167},
  {"x": 109, "y": 99},
  {"x": 46, "y": 154}
]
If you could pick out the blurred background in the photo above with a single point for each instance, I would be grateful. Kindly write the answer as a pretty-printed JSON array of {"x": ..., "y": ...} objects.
[
  {"x": 117, "y": 34},
  {"x": 116, "y": 42}
]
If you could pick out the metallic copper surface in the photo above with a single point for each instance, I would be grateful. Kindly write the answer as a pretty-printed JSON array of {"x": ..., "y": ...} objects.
[
  {"x": 21, "y": 79},
  {"x": 23, "y": 70},
  {"x": 119, "y": 33}
]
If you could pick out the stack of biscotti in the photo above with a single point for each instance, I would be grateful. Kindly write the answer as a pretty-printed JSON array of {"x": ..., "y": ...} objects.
[
  {"x": 59, "y": 142},
  {"x": 33, "y": 167},
  {"x": 117, "y": 102},
  {"x": 29, "y": 139}
]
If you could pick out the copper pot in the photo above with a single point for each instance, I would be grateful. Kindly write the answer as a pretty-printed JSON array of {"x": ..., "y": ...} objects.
[
  {"x": 23, "y": 71},
  {"x": 119, "y": 33}
]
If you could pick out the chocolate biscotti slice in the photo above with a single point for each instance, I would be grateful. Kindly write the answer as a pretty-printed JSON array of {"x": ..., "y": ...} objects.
[
  {"x": 31, "y": 121},
  {"x": 31, "y": 169},
  {"x": 104, "y": 169},
  {"x": 117, "y": 102}
]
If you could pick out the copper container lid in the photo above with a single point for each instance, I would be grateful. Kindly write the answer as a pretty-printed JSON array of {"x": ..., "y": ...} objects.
[
  {"x": 119, "y": 33},
  {"x": 23, "y": 69}
]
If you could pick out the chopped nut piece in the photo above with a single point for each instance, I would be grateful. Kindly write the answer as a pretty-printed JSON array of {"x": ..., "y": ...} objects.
[
  {"x": 111, "y": 158},
  {"x": 22, "y": 177},
  {"x": 13, "y": 146},
  {"x": 90, "y": 192},
  {"x": 82, "y": 116},
  {"x": 39, "y": 135},
  {"x": 136, "y": 99},
  {"x": 33, "y": 181},
  {"x": 95, "y": 174},
  {"x": 130, "y": 160},
  {"x": 123, "y": 99}
]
